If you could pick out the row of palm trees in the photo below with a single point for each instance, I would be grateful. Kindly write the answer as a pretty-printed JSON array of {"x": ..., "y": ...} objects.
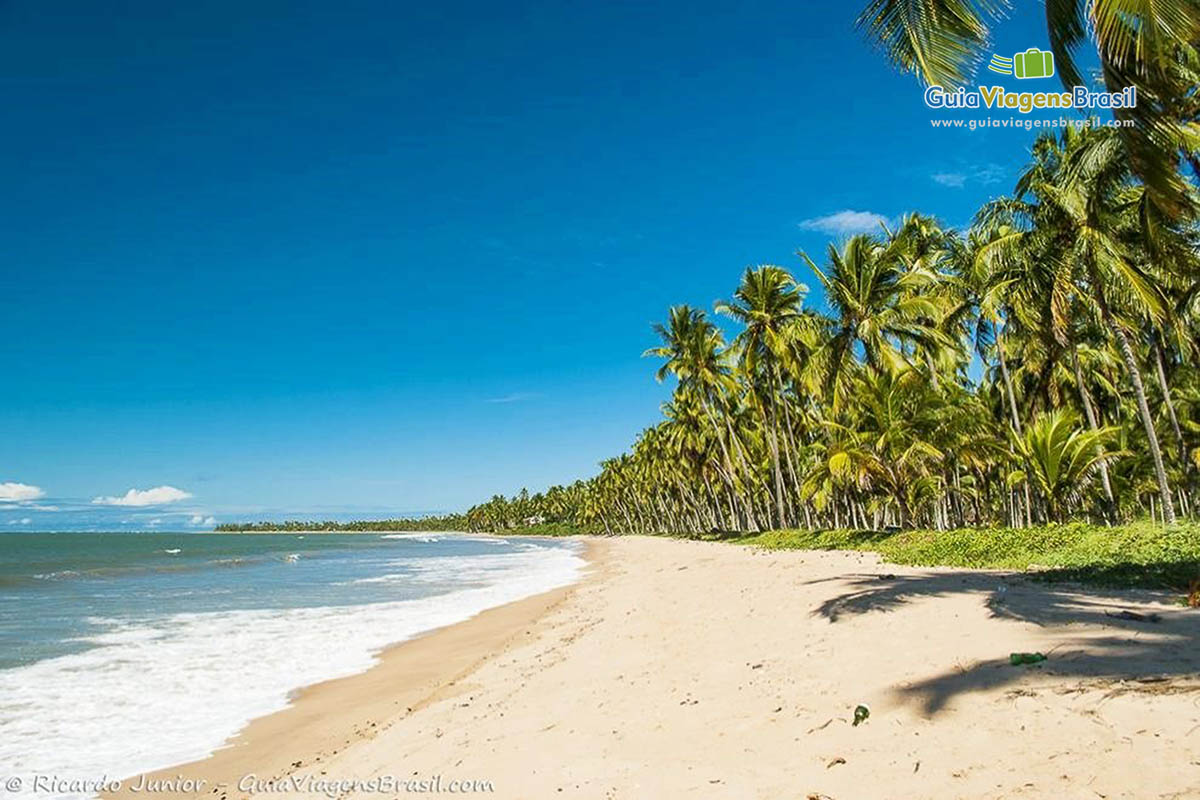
[{"x": 1038, "y": 367}]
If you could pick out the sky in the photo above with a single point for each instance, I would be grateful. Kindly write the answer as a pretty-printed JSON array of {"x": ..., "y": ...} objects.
[{"x": 314, "y": 259}]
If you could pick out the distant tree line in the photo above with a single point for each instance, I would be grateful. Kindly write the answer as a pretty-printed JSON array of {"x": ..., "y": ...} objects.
[{"x": 448, "y": 522}]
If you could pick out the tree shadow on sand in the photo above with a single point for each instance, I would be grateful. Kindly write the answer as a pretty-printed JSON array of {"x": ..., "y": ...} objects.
[{"x": 1098, "y": 645}]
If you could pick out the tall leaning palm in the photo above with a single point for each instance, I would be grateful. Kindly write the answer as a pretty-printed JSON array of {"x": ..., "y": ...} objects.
[
  {"x": 766, "y": 302},
  {"x": 1151, "y": 45}
]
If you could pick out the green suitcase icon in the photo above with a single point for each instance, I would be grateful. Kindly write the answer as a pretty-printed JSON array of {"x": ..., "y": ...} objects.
[{"x": 1033, "y": 63}]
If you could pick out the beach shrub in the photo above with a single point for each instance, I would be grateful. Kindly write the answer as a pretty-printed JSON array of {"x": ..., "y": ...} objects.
[{"x": 1140, "y": 554}]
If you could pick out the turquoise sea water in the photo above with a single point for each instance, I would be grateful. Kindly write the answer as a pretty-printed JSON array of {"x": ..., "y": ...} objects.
[{"x": 177, "y": 640}]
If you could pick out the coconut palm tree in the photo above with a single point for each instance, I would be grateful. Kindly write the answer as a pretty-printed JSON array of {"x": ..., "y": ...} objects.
[
  {"x": 1065, "y": 294},
  {"x": 888, "y": 442},
  {"x": 766, "y": 303},
  {"x": 693, "y": 348},
  {"x": 878, "y": 306},
  {"x": 1078, "y": 209}
]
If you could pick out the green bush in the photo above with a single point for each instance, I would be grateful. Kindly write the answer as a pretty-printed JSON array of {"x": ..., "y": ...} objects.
[{"x": 1141, "y": 554}]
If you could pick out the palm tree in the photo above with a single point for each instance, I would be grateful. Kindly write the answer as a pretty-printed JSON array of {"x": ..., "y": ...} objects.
[
  {"x": 767, "y": 302},
  {"x": 1078, "y": 208},
  {"x": 1066, "y": 292},
  {"x": 692, "y": 347},
  {"x": 1060, "y": 458},
  {"x": 888, "y": 442},
  {"x": 877, "y": 306}
]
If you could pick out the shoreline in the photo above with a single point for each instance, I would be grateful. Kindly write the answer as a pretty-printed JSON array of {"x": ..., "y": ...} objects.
[
  {"x": 677, "y": 668},
  {"x": 322, "y": 718}
]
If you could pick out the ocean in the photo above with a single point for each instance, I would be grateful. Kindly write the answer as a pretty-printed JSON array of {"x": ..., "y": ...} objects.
[{"x": 127, "y": 652}]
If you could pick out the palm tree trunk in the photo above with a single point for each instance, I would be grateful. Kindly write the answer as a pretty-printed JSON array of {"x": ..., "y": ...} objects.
[
  {"x": 781, "y": 517},
  {"x": 728, "y": 472},
  {"x": 1008, "y": 387},
  {"x": 1093, "y": 424},
  {"x": 629, "y": 527},
  {"x": 793, "y": 494},
  {"x": 933, "y": 376},
  {"x": 1016, "y": 417},
  {"x": 740, "y": 450},
  {"x": 715, "y": 498},
  {"x": 1166, "y": 391},
  {"x": 1139, "y": 389}
]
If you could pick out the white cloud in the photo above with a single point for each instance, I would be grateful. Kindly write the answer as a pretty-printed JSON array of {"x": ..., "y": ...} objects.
[
  {"x": 25, "y": 521},
  {"x": 955, "y": 180},
  {"x": 515, "y": 397},
  {"x": 200, "y": 521},
  {"x": 19, "y": 492},
  {"x": 845, "y": 222},
  {"x": 985, "y": 174},
  {"x": 159, "y": 495},
  {"x": 992, "y": 173}
]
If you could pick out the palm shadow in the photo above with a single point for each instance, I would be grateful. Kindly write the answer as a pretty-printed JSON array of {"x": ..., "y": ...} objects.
[{"x": 1155, "y": 651}]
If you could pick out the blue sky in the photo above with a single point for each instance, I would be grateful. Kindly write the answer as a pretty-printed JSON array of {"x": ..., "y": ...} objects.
[{"x": 360, "y": 258}]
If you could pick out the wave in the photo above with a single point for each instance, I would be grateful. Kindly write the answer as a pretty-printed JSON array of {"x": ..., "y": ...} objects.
[
  {"x": 173, "y": 566},
  {"x": 56, "y": 575},
  {"x": 458, "y": 537},
  {"x": 476, "y": 570}
]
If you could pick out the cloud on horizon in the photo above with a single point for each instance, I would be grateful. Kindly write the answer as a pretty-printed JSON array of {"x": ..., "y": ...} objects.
[
  {"x": 139, "y": 498},
  {"x": 20, "y": 492},
  {"x": 845, "y": 222}
]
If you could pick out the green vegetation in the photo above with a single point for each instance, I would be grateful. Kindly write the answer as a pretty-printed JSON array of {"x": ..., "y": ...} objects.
[
  {"x": 551, "y": 529},
  {"x": 449, "y": 522},
  {"x": 1140, "y": 554},
  {"x": 1039, "y": 367}
]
